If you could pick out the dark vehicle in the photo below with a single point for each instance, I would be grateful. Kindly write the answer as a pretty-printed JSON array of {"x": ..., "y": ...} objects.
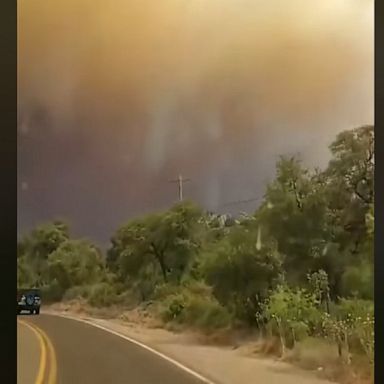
[{"x": 28, "y": 300}]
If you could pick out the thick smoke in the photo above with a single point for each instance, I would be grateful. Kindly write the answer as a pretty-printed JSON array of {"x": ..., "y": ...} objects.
[{"x": 117, "y": 97}]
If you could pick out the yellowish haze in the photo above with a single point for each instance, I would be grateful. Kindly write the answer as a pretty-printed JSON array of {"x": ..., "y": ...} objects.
[{"x": 200, "y": 86}]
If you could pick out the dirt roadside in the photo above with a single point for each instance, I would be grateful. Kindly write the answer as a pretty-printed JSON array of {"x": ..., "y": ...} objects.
[{"x": 222, "y": 365}]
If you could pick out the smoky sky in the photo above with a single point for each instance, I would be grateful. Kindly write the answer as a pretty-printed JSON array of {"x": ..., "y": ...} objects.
[{"x": 118, "y": 97}]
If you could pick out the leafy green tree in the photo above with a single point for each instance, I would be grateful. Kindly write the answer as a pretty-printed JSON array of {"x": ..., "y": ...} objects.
[
  {"x": 294, "y": 213},
  {"x": 358, "y": 281},
  {"x": 241, "y": 272},
  {"x": 350, "y": 194},
  {"x": 34, "y": 249},
  {"x": 353, "y": 163},
  {"x": 350, "y": 191},
  {"x": 166, "y": 240},
  {"x": 43, "y": 240},
  {"x": 75, "y": 263},
  {"x": 25, "y": 275},
  {"x": 321, "y": 220}
]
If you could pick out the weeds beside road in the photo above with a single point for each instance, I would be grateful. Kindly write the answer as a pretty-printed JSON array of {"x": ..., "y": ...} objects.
[{"x": 238, "y": 356}]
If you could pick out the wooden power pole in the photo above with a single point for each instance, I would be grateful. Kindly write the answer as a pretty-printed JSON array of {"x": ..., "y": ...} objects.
[{"x": 180, "y": 181}]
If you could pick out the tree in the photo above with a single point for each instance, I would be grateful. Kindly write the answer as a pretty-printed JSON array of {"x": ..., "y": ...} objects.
[
  {"x": 350, "y": 189},
  {"x": 34, "y": 249},
  {"x": 43, "y": 240},
  {"x": 293, "y": 212},
  {"x": 353, "y": 163},
  {"x": 241, "y": 273},
  {"x": 25, "y": 276},
  {"x": 350, "y": 194},
  {"x": 323, "y": 219},
  {"x": 358, "y": 281},
  {"x": 168, "y": 240},
  {"x": 75, "y": 263}
]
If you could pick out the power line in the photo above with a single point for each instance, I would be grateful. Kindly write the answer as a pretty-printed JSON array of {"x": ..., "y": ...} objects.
[{"x": 237, "y": 202}]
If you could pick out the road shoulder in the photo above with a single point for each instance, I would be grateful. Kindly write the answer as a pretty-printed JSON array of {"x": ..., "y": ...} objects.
[{"x": 222, "y": 365}]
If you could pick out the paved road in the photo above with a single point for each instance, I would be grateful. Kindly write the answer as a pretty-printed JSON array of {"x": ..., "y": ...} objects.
[
  {"x": 28, "y": 356},
  {"x": 82, "y": 354}
]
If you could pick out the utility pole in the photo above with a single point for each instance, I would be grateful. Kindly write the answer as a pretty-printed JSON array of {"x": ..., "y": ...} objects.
[{"x": 180, "y": 181}]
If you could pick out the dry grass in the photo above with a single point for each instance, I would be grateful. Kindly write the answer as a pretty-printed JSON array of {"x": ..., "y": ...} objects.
[
  {"x": 78, "y": 306},
  {"x": 312, "y": 354},
  {"x": 82, "y": 308},
  {"x": 223, "y": 337},
  {"x": 321, "y": 356},
  {"x": 142, "y": 317}
]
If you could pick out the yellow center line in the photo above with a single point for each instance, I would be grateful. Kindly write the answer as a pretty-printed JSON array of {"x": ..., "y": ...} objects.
[
  {"x": 53, "y": 362},
  {"x": 45, "y": 342},
  {"x": 43, "y": 356}
]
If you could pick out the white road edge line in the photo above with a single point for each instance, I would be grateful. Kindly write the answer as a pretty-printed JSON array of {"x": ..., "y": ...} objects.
[{"x": 140, "y": 344}]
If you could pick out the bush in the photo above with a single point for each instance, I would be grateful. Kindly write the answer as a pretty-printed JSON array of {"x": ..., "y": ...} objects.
[
  {"x": 173, "y": 308},
  {"x": 293, "y": 314},
  {"x": 190, "y": 307},
  {"x": 241, "y": 273},
  {"x": 79, "y": 292},
  {"x": 358, "y": 281},
  {"x": 206, "y": 313},
  {"x": 312, "y": 353},
  {"x": 359, "y": 315},
  {"x": 164, "y": 290},
  {"x": 52, "y": 292},
  {"x": 351, "y": 326},
  {"x": 102, "y": 295},
  {"x": 128, "y": 299},
  {"x": 145, "y": 284}
]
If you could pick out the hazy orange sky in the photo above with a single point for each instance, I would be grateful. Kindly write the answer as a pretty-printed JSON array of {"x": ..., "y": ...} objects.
[{"x": 117, "y": 97}]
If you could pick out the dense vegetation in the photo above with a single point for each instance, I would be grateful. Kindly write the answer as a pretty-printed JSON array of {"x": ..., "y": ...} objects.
[{"x": 301, "y": 266}]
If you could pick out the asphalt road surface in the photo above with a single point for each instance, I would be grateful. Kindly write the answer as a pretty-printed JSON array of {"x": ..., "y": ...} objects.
[
  {"x": 56, "y": 350},
  {"x": 29, "y": 357}
]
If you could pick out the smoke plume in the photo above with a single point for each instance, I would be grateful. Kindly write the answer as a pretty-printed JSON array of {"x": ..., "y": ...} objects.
[{"x": 118, "y": 97}]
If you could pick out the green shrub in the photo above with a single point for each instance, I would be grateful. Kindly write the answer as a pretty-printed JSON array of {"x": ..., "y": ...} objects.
[
  {"x": 359, "y": 317},
  {"x": 351, "y": 326},
  {"x": 190, "y": 307},
  {"x": 164, "y": 290},
  {"x": 102, "y": 295},
  {"x": 52, "y": 292},
  {"x": 292, "y": 314},
  {"x": 312, "y": 353},
  {"x": 241, "y": 273},
  {"x": 78, "y": 292},
  {"x": 206, "y": 313},
  {"x": 129, "y": 299},
  {"x": 358, "y": 281},
  {"x": 172, "y": 308},
  {"x": 199, "y": 288}
]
